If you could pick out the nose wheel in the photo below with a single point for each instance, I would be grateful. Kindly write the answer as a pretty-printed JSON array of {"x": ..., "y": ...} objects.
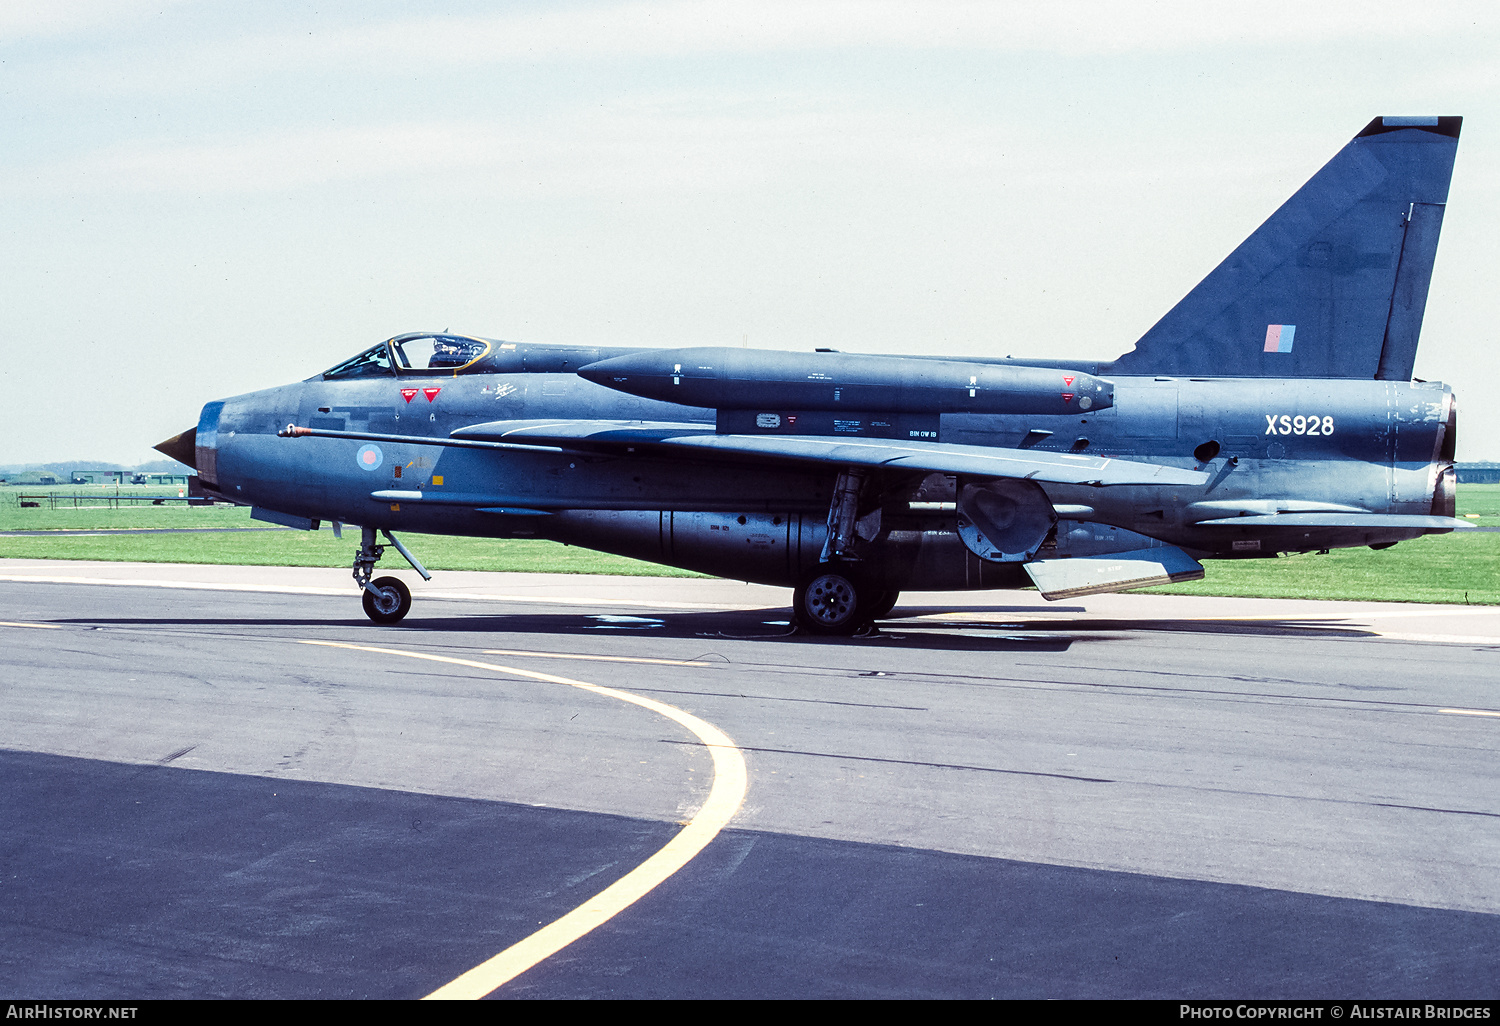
[{"x": 387, "y": 600}]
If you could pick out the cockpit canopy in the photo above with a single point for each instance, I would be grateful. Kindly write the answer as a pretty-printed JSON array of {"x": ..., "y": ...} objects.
[
  {"x": 417, "y": 353},
  {"x": 437, "y": 352}
]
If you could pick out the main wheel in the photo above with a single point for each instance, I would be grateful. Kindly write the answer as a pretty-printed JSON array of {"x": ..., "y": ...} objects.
[
  {"x": 830, "y": 601},
  {"x": 393, "y": 602},
  {"x": 883, "y": 603}
]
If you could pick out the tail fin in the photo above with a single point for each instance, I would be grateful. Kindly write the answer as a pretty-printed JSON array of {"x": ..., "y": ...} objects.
[{"x": 1334, "y": 284}]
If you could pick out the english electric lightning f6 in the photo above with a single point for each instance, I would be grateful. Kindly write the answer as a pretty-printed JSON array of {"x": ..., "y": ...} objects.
[{"x": 1272, "y": 410}]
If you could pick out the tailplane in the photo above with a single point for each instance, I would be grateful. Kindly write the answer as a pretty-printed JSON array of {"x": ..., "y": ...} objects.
[{"x": 1334, "y": 284}]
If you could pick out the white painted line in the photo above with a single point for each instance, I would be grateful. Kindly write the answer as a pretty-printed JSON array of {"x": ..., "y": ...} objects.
[
  {"x": 1392, "y": 609},
  {"x": 1449, "y": 639},
  {"x": 288, "y": 589},
  {"x": 1353, "y": 625},
  {"x": 1454, "y": 611},
  {"x": 1470, "y": 712},
  {"x": 638, "y": 603},
  {"x": 596, "y": 658},
  {"x": 731, "y": 779},
  {"x": 351, "y": 590},
  {"x": 1043, "y": 617},
  {"x": 40, "y": 626}
]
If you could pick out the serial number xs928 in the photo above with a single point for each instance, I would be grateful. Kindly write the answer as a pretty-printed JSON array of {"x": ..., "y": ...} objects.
[{"x": 1286, "y": 424}]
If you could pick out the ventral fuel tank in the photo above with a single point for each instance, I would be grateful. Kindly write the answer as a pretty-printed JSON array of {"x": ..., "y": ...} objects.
[{"x": 748, "y": 379}]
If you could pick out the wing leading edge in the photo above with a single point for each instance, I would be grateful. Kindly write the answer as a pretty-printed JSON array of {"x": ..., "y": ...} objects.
[
  {"x": 1360, "y": 520},
  {"x": 625, "y": 437}
]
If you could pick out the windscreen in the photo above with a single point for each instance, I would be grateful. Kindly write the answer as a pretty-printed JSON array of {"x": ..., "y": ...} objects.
[{"x": 375, "y": 360}]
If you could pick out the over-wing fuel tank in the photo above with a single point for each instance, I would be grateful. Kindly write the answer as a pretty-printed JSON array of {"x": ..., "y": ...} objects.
[{"x": 747, "y": 379}]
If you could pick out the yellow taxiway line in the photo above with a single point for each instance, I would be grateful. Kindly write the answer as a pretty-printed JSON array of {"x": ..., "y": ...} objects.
[{"x": 724, "y": 799}]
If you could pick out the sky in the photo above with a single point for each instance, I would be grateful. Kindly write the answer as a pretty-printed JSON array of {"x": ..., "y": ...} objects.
[{"x": 202, "y": 199}]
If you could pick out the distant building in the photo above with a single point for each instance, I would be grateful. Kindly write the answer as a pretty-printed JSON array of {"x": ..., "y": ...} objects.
[
  {"x": 162, "y": 475},
  {"x": 1477, "y": 473},
  {"x": 86, "y": 475}
]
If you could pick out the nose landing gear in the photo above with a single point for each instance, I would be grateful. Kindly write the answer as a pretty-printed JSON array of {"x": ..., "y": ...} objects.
[{"x": 388, "y": 599}]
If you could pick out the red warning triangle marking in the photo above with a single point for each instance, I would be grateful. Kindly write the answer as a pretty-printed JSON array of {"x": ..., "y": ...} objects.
[
  {"x": 408, "y": 394},
  {"x": 431, "y": 393},
  {"x": 1067, "y": 379},
  {"x": 1067, "y": 397}
]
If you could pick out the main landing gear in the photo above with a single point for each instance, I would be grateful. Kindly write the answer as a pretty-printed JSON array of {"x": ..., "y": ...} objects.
[
  {"x": 387, "y": 600},
  {"x": 839, "y": 596},
  {"x": 835, "y": 599}
]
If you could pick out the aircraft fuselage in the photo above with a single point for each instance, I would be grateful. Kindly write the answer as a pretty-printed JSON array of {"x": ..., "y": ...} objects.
[{"x": 1267, "y": 446}]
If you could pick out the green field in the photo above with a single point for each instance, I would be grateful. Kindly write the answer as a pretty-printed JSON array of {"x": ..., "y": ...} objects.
[
  {"x": 270, "y": 547},
  {"x": 1441, "y": 568},
  {"x": 1459, "y": 567}
]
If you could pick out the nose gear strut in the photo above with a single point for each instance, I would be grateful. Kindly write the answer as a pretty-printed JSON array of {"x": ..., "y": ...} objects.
[
  {"x": 365, "y": 559},
  {"x": 386, "y": 600}
]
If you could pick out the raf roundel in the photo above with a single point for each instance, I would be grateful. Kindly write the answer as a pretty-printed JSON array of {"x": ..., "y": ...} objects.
[{"x": 369, "y": 457}]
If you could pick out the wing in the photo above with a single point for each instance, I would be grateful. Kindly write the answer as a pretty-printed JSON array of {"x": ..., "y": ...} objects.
[{"x": 629, "y": 437}]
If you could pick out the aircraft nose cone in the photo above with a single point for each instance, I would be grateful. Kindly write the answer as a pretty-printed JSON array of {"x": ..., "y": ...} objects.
[{"x": 182, "y": 448}]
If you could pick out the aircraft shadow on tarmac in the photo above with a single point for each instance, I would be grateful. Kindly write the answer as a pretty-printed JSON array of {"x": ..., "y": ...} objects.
[
  {"x": 995, "y": 620},
  {"x": 981, "y": 631},
  {"x": 767, "y": 625}
]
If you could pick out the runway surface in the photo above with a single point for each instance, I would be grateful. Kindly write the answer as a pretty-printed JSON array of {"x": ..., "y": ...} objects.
[{"x": 1122, "y": 796}]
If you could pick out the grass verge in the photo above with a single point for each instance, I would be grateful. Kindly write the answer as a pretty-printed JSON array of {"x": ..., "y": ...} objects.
[{"x": 1454, "y": 568}]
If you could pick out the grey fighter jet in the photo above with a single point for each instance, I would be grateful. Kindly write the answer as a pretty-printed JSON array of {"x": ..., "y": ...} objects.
[{"x": 1272, "y": 410}]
